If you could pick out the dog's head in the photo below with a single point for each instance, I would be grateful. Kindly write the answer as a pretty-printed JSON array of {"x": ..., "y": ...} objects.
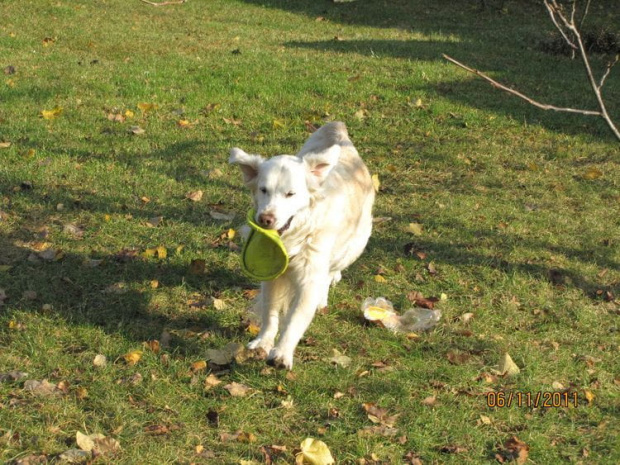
[{"x": 283, "y": 185}]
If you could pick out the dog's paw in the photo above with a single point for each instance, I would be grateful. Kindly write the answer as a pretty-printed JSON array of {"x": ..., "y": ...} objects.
[
  {"x": 260, "y": 343},
  {"x": 280, "y": 360}
]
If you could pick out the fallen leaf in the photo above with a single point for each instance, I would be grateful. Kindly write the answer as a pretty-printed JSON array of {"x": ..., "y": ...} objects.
[
  {"x": 453, "y": 449},
  {"x": 233, "y": 121},
  {"x": 219, "y": 304},
  {"x": 314, "y": 452},
  {"x": 75, "y": 456},
  {"x": 147, "y": 107},
  {"x": 184, "y": 123},
  {"x": 376, "y": 184},
  {"x": 133, "y": 357},
  {"x": 380, "y": 279},
  {"x": 430, "y": 401},
  {"x": 41, "y": 388},
  {"x": 5, "y": 145},
  {"x": 211, "y": 381},
  {"x": 514, "y": 450},
  {"x": 340, "y": 359},
  {"x": 225, "y": 355},
  {"x": 592, "y": 173},
  {"x": 457, "y": 357},
  {"x": 240, "y": 436},
  {"x": 194, "y": 196},
  {"x": 137, "y": 130},
  {"x": 507, "y": 367},
  {"x": 199, "y": 365},
  {"x": 237, "y": 389},
  {"x": 378, "y": 430},
  {"x": 13, "y": 375},
  {"x": 86, "y": 442},
  {"x": 589, "y": 396},
  {"x": 100, "y": 361},
  {"x": 51, "y": 114},
  {"x": 155, "y": 221},
  {"x": 414, "y": 228},
  {"x": 380, "y": 415},
  {"x": 466, "y": 317}
]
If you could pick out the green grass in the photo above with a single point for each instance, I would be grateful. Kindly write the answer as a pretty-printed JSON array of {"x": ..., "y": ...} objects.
[{"x": 519, "y": 208}]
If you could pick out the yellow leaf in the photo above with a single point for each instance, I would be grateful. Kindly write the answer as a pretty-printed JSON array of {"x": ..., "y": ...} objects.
[
  {"x": 133, "y": 357},
  {"x": 380, "y": 279},
  {"x": 278, "y": 123},
  {"x": 129, "y": 114},
  {"x": 592, "y": 173},
  {"x": 231, "y": 234},
  {"x": 149, "y": 253},
  {"x": 375, "y": 182},
  {"x": 154, "y": 284},
  {"x": 51, "y": 114},
  {"x": 414, "y": 228},
  {"x": 253, "y": 329},
  {"x": 146, "y": 107},
  {"x": 161, "y": 252},
  {"x": 5, "y": 145},
  {"x": 589, "y": 396},
  {"x": 184, "y": 123},
  {"x": 314, "y": 452},
  {"x": 107, "y": 217},
  {"x": 199, "y": 365}
]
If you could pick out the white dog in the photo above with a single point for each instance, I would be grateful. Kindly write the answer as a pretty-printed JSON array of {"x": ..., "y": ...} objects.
[{"x": 320, "y": 202}]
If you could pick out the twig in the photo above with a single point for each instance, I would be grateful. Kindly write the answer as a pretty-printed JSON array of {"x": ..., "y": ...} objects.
[
  {"x": 607, "y": 71},
  {"x": 177, "y": 2},
  {"x": 498, "y": 85},
  {"x": 552, "y": 12}
]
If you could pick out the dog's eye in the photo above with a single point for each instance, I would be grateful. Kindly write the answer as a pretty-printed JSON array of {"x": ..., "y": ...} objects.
[
  {"x": 263, "y": 190},
  {"x": 290, "y": 194}
]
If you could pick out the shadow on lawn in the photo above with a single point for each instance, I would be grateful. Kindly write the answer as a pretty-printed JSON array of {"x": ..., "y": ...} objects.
[{"x": 514, "y": 60}]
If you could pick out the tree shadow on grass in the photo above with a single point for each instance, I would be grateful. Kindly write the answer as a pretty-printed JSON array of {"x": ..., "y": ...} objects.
[
  {"x": 501, "y": 38},
  {"x": 529, "y": 74},
  {"x": 114, "y": 293}
]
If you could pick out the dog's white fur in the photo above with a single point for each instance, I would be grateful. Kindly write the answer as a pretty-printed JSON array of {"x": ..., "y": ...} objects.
[{"x": 327, "y": 191}]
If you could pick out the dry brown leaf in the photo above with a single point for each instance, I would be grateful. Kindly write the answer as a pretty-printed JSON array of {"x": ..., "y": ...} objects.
[
  {"x": 194, "y": 196},
  {"x": 513, "y": 449},
  {"x": 211, "y": 381},
  {"x": 41, "y": 388},
  {"x": 457, "y": 358},
  {"x": 237, "y": 389}
]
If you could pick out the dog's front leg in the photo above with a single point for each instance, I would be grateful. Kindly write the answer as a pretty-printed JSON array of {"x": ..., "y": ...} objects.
[
  {"x": 271, "y": 302},
  {"x": 309, "y": 293}
]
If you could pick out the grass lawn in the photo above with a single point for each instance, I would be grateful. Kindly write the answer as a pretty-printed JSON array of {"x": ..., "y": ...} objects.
[{"x": 114, "y": 112}]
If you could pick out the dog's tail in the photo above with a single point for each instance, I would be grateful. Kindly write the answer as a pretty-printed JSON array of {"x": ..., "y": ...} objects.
[{"x": 334, "y": 133}]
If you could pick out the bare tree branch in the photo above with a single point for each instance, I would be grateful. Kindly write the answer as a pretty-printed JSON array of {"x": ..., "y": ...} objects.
[
  {"x": 498, "y": 85},
  {"x": 607, "y": 71},
  {"x": 565, "y": 27},
  {"x": 552, "y": 11},
  {"x": 176, "y": 2}
]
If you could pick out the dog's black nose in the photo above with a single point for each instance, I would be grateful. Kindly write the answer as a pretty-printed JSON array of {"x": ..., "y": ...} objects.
[{"x": 266, "y": 220}]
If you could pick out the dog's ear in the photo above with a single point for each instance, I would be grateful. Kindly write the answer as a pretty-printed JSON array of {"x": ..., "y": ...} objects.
[
  {"x": 321, "y": 163},
  {"x": 248, "y": 163}
]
